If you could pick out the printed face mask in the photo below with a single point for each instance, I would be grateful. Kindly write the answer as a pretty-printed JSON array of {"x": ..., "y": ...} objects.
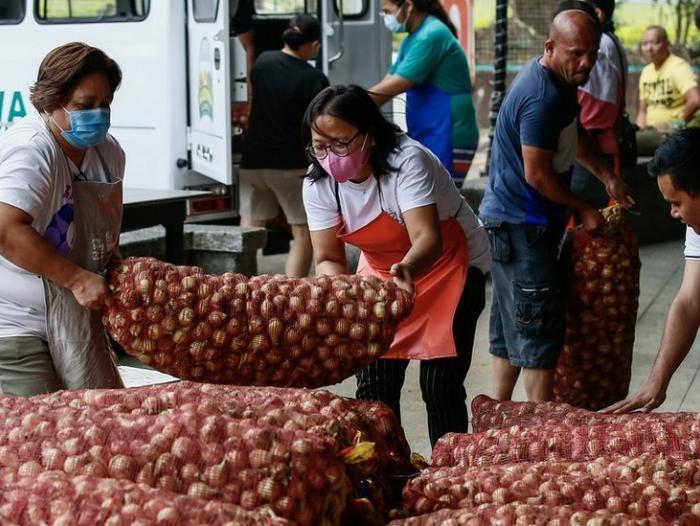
[
  {"x": 87, "y": 127},
  {"x": 391, "y": 22},
  {"x": 342, "y": 169}
]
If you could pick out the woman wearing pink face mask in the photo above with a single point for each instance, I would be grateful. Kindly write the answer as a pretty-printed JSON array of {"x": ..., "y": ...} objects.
[{"x": 372, "y": 186}]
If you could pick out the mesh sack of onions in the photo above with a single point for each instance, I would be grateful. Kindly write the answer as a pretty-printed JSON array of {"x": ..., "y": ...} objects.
[
  {"x": 559, "y": 442},
  {"x": 644, "y": 486},
  {"x": 265, "y": 330},
  {"x": 317, "y": 411},
  {"x": 530, "y": 515},
  {"x": 346, "y": 425},
  {"x": 30, "y": 496},
  {"x": 488, "y": 413},
  {"x": 595, "y": 365},
  {"x": 203, "y": 456}
]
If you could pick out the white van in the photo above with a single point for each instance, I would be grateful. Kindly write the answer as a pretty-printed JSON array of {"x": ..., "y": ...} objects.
[{"x": 184, "y": 76}]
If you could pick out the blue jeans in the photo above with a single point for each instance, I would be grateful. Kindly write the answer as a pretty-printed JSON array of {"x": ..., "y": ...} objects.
[{"x": 527, "y": 314}]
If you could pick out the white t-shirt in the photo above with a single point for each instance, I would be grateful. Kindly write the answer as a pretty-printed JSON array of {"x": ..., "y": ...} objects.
[
  {"x": 420, "y": 180},
  {"x": 692, "y": 244},
  {"x": 37, "y": 177}
]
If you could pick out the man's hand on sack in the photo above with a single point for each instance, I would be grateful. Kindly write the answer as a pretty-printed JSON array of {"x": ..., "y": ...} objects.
[{"x": 618, "y": 190}]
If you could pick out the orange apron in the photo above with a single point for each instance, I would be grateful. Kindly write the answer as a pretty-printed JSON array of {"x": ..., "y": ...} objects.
[{"x": 427, "y": 333}]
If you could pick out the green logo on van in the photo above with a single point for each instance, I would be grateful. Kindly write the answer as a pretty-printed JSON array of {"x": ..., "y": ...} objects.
[{"x": 11, "y": 107}]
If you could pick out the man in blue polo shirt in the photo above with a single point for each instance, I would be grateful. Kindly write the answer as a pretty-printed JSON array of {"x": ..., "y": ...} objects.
[{"x": 528, "y": 201}]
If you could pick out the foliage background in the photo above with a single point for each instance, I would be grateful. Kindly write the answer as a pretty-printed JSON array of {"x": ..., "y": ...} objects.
[{"x": 528, "y": 21}]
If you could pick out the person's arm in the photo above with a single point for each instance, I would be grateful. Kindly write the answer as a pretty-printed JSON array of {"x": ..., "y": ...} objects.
[
  {"x": 539, "y": 175},
  {"x": 388, "y": 88},
  {"x": 413, "y": 66},
  {"x": 423, "y": 225},
  {"x": 329, "y": 252},
  {"x": 642, "y": 114},
  {"x": 247, "y": 40},
  {"x": 692, "y": 103},
  {"x": 679, "y": 333},
  {"x": 23, "y": 246},
  {"x": 588, "y": 154}
]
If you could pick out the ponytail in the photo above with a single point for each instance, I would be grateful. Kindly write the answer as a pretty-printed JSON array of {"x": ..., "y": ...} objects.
[
  {"x": 435, "y": 8},
  {"x": 302, "y": 29},
  {"x": 431, "y": 7},
  {"x": 292, "y": 38}
]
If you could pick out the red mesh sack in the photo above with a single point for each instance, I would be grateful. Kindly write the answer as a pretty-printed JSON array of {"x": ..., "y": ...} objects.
[
  {"x": 265, "y": 330},
  {"x": 59, "y": 499},
  {"x": 317, "y": 411},
  {"x": 341, "y": 422},
  {"x": 595, "y": 365},
  {"x": 558, "y": 442},
  {"x": 646, "y": 486},
  {"x": 203, "y": 456},
  {"x": 530, "y": 515},
  {"x": 488, "y": 413}
]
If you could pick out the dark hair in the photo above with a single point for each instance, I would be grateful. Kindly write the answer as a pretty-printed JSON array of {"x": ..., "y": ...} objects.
[
  {"x": 63, "y": 69},
  {"x": 302, "y": 29},
  {"x": 353, "y": 105},
  {"x": 679, "y": 157},
  {"x": 431, "y": 7},
  {"x": 578, "y": 5},
  {"x": 606, "y": 6}
]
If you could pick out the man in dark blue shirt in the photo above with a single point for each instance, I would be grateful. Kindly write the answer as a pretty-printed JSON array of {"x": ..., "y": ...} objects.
[{"x": 527, "y": 202}]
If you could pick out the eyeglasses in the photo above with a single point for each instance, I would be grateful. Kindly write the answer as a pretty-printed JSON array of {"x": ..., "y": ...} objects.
[{"x": 341, "y": 149}]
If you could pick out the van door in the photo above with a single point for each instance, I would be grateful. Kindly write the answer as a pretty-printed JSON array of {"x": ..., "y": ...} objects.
[
  {"x": 356, "y": 45},
  {"x": 209, "y": 88}
]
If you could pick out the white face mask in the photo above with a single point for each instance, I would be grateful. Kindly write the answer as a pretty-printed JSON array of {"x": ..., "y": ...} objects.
[{"x": 391, "y": 22}]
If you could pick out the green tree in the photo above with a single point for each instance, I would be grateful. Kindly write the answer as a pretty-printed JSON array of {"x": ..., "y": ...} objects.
[{"x": 684, "y": 11}]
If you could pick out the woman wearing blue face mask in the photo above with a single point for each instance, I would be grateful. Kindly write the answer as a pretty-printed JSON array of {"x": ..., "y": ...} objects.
[
  {"x": 60, "y": 215},
  {"x": 431, "y": 68},
  {"x": 373, "y": 187}
]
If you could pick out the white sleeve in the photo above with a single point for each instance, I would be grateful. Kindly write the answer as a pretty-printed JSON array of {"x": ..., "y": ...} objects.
[
  {"x": 692, "y": 244},
  {"x": 25, "y": 176},
  {"x": 320, "y": 205},
  {"x": 415, "y": 180}
]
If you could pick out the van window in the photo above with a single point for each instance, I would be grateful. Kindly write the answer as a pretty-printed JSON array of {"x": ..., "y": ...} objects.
[
  {"x": 11, "y": 11},
  {"x": 205, "y": 10},
  {"x": 65, "y": 11},
  {"x": 280, "y": 7},
  {"x": 351, "y": 8}
]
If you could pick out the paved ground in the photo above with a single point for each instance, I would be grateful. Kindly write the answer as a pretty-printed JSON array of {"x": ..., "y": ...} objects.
[{"x": 662, "y": 269}]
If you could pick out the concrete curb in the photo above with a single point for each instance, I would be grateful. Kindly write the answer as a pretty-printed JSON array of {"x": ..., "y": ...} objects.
[{"x": 215, "y": 248}]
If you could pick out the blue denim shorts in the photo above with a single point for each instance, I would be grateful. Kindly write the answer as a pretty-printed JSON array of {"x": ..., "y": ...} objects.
[{"x": 527, "y": 314}]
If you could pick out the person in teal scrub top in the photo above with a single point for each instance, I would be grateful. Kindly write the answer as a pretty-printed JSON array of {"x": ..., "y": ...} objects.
[{"x": 431, "y": 68}]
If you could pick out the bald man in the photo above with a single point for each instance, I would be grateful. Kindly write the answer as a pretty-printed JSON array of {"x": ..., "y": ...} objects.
[
  {"x": 669, "y": 96},
  {"x": 528, "y": 202}
]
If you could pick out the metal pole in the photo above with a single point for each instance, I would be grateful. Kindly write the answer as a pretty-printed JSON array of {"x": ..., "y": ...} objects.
[{"x": 499, "y": 71}]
